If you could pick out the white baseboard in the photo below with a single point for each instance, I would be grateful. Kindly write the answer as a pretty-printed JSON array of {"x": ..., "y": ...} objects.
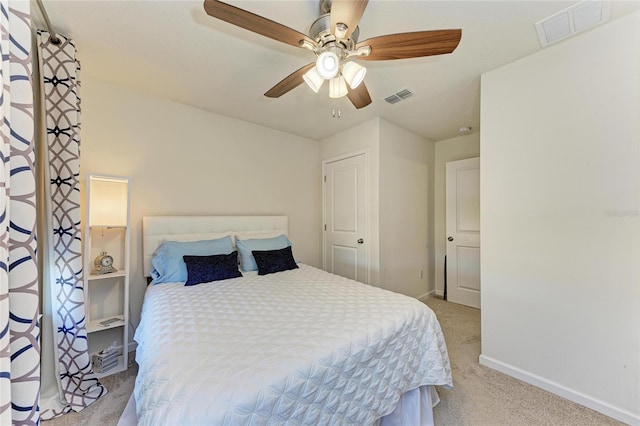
[
  {"x": 426, "y": 295},
  {"x": 439, "y": 293},
  {"x": 560, "y": 390}
]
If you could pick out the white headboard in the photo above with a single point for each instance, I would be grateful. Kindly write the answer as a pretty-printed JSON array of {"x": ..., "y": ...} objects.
[{"x": 156, "y": 229}]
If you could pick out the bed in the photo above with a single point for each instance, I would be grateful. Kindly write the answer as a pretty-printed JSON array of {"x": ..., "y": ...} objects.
[{"x": 297, "y": 346}]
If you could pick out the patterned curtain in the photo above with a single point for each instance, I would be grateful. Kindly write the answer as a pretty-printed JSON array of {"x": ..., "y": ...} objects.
[
  {"x": 59, "y": 78},
  {"x": 19, "y": 329}
]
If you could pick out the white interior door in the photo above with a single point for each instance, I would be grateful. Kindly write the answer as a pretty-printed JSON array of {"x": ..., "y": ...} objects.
[
  {"x": 345, "y": 218},
  {"x": 463, "y": 231}
]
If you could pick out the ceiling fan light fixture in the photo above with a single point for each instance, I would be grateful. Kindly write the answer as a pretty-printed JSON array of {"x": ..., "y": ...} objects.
[
  {"x": 337, "y": 87},
  {"x": 328, "y": 64},
  {"x": 353, "y": 73},
  {"x": 313, "y": 79}
]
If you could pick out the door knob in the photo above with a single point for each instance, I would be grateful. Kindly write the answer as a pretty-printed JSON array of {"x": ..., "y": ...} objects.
[
  {"x": 450, "y": 239},
  {"x": 360, "y": 241}
]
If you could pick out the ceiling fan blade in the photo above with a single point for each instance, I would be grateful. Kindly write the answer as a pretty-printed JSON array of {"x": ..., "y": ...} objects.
[
  {"x": 411, "y": 45},
  {"x": 347, "y": 12},
  {"x": 359, "y": 96},
  {"x": 253, "y": 22},
  {"x": 290, "y": 82}
]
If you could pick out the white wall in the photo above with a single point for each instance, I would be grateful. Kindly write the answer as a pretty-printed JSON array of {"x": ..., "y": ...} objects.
[
  {"x": 406, "y": 197},
  {"x": 186, "y": 161},
  {"x": 401, "y": 194},
  {"x": 366, "y": 136},
  {"x": 458, "y": 148},
  {"x": 560, "y": 226}
]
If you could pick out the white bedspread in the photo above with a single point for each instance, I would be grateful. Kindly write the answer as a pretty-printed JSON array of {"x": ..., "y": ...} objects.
[{"x": 301, "y": 347}]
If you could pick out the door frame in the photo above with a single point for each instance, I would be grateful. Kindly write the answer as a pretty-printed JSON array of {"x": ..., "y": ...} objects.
[{"x": 367, "y": 202}]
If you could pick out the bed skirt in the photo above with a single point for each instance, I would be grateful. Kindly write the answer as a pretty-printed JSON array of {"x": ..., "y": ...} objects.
[{"x": 415, "y": 408}]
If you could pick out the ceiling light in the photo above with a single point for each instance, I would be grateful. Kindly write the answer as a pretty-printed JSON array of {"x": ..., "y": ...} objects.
[
  {"x": 313, "y": 79},
  {"x": 328, "y": 64},
  {"x": 353, "y": 73},
  {"x": 337, "y": 87}
]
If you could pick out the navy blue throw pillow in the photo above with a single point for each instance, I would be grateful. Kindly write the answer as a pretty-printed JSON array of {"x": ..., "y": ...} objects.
[
  {"x": 270, "y": 261},
  {"x": 203, "y": 269}
]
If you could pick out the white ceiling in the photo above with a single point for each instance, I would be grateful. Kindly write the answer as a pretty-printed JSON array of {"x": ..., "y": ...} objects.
[{"x": 174, "y": 50}]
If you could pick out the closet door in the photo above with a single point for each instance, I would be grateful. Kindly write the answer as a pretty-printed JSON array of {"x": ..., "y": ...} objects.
[
  {"x": 463, "y": 231},
  {"x": 345, "y": 218}
]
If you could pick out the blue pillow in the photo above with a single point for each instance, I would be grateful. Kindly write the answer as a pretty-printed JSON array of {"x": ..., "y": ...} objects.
[
  {"x": 167, "y": 262},
  {"x": 217, "y": 267},
  {"x": 245, "y": 247},
  {"x": 270, "y": 261}
]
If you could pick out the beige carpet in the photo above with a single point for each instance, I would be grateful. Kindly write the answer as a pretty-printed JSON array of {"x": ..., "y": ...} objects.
[
  {"x": 480, "y": 397},
  {"x": 107, "y": 410}
]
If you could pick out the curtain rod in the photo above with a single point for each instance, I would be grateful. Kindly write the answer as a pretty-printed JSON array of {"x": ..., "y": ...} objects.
[{"x": 53, "y": 37}]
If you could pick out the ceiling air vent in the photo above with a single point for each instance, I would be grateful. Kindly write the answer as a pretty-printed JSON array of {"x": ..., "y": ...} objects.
[
  {"x": 400, "y": 95},
  {"x": 571, "y": 20}
]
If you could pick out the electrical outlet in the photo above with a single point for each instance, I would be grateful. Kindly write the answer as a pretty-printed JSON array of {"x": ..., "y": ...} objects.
[{"x": 421, "y": 274}]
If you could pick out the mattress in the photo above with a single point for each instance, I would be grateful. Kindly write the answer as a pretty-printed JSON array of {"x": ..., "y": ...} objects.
[{"x": 296, "y": 347}]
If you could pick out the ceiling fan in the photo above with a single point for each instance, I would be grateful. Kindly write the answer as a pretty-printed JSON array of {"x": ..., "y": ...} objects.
[{"x": 333, "y": 37}]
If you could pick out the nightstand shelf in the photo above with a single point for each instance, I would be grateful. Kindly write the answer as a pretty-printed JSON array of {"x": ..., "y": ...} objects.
[
  {"x": 95, "y": 325},
  {"x": 116, "y": 274},
  {"x": 107, "y": 295}
]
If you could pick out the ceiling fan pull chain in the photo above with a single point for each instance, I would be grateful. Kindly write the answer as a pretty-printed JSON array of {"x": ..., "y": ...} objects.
[{"x": 336, "y": 112}]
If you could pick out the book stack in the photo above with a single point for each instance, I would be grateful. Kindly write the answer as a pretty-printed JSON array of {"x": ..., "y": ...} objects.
[{"x": 105, "y": 360}]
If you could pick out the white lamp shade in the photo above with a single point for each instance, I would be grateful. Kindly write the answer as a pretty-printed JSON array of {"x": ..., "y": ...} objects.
[
  {"x": 108, "y": 201},
  {"x": 313, "y": 79},
  {"x": 337, "y": 87},
  {"x": 328, "y": 65},
  {"x": 353, "y": 73}
]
